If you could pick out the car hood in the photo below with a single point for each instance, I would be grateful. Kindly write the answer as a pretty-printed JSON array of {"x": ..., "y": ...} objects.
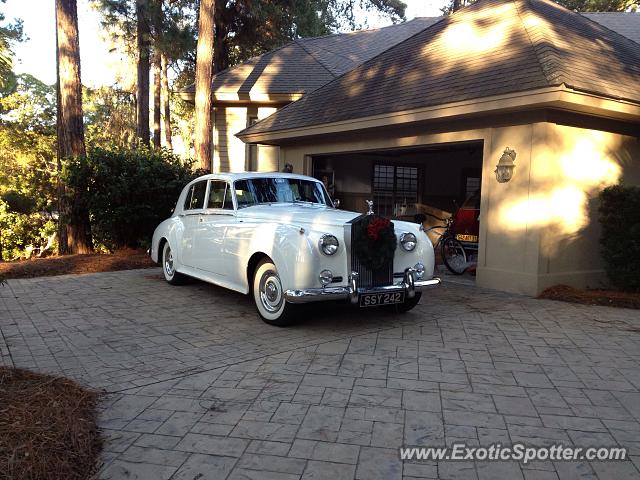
[{"x": 298, "y": 214}]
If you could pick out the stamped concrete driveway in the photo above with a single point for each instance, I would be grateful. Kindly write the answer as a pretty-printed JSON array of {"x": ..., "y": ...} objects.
[{"x": 197, "y": 387}]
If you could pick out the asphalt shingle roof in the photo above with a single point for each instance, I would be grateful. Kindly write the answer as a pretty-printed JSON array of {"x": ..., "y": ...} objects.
[
  {"x": 305, "y": 64},
  {"x": 625, "y": 23},
  {"x": 492, "y": 47}
]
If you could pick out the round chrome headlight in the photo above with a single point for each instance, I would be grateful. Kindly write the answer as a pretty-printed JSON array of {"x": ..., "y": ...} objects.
[
  {"x": 408, "y": 241},
  {"x": 419, "y": 268},
  {"x": 328, "y": 244}
]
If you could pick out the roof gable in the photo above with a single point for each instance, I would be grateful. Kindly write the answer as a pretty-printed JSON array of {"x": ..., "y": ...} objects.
[
  {"x": 493, "y": 47},
  {"x": 289, "y": 69}
]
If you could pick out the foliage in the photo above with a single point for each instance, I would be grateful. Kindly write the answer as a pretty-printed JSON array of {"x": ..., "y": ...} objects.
[
  {"x": 21, "y": 234},
  {"x": 374, "y": 241},
  {"x": 9, "y": 34},
  {"x": 19, "y": 202},
  {"x": 129, "y": 192},
  {"x": 27, "y": 167},
  {"x": 600, "y": 5},
  {"x": 620, "y": 241},
  {"x": 110, "y": 116}
]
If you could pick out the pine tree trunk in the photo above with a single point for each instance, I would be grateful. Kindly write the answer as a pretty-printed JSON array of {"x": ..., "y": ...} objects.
[
  {"x": 204, "y": 71},
  {"x": 165, "y": 102},
  {"x": 220, "y": 53},
  {"x": 73, "y": 224},
  {"x": 143, "y": 42},
  {"x": 157, "y": 141}
]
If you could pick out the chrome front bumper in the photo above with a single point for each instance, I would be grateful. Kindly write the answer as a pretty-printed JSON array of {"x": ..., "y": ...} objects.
[{"x": 409, "y": 285}]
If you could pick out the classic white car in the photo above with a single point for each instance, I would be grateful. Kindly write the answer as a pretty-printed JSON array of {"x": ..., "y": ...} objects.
[{"x": 279, "y": 237}]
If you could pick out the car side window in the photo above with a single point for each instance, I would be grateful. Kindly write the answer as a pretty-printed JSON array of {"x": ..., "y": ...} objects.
[
  {"x": 244, "y": 196},
  {"x": 187, "y": 199},
  {"x": 195, "y": 196},
  {"x": 216, "y": 194}
]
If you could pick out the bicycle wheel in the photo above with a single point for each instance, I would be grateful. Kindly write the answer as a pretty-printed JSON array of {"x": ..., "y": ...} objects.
[{"x": 454, "y": 256}]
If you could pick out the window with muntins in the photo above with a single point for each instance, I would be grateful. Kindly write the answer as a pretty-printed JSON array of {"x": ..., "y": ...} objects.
[{"x": 395, "y": 187}]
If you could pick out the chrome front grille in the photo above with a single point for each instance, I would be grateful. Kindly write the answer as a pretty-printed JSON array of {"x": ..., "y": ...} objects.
[{"x": 368, "y": 278}]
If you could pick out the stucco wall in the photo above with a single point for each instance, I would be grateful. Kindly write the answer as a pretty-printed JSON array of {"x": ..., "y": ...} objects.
[
  {"x": 571, "y": 167},
  {"x": 540, "y": 228}
]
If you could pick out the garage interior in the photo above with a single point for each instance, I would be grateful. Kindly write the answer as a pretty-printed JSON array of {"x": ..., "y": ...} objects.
[{"x": 406, "y": 184}]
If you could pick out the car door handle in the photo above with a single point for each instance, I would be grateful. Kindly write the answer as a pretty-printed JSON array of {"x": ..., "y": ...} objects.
[{"x": 200, "y": 219}]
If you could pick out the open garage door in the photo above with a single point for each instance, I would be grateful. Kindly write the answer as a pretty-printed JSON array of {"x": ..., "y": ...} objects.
[{"x": 421, "y": 184}]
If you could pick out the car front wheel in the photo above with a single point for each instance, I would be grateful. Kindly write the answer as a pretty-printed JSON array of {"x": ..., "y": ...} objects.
[
  {"x": 268, "y": 296},
  {"x": 169, "y": 266},
  {"x": 408, "y": 304}
]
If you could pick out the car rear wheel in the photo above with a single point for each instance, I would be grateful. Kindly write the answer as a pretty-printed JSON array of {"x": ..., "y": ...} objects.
[
  {"x": 169, "y": 267},
  {"x": 268, "y": 295}
]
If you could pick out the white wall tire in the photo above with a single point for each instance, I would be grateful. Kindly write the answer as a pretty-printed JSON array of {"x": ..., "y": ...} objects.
[
  {"x": 268, "y": 295},
  {"x": 169, "y": 266}
]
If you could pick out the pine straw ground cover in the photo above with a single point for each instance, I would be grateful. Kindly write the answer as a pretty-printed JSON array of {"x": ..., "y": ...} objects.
[
  {"x": 47, "y": 427},
  {"x": 90, "y": 263},
  {"x": 607, "y": 298}
]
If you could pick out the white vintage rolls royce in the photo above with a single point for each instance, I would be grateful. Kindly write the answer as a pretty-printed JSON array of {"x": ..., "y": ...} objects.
[{"x": 281, "y": 238}]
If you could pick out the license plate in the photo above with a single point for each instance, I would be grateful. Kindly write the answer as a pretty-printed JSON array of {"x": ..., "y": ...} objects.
[
  {"x": 467, "y": 238},
  {"x": 376, "y": 299}
]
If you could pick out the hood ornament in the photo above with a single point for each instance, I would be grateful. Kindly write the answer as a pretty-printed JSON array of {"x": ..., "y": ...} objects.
[{"x": 370, "y": 206}]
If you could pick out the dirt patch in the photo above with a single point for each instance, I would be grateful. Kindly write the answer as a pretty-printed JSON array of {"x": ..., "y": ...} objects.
[
  {"x": 47, "y": 427},
  {"x": 92, "y": 263},
  {"x": 609, "y": 298}
]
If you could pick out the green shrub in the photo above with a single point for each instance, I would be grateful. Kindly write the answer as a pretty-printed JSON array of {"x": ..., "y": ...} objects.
[
  {"x": 129, "y": 192},
  {"x": 19, "y": 202},
  {"x": 620, "y": 219},
  {"x": 22, "y": 235}
]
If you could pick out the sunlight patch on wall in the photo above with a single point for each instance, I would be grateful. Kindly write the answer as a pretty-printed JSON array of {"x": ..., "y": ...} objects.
[{"x": 564, "y": 179}]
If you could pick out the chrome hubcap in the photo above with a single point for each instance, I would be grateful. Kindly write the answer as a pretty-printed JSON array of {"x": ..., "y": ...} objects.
[
  {"x": 168, "y": 262},
  {"x": 270, "y": 291}
]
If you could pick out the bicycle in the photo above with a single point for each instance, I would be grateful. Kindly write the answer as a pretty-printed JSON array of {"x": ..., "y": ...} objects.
[{"x": 452, "y": 251}]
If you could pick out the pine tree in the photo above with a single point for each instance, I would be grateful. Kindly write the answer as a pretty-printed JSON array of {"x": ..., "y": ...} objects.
[{"x": 74, "y": 226}]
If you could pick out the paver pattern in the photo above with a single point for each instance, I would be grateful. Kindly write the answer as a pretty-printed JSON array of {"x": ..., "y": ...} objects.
[{"x": 197, "y": 387}]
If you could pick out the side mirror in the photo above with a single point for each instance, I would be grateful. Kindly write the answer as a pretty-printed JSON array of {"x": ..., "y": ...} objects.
[{"x": 336, "y": 203}]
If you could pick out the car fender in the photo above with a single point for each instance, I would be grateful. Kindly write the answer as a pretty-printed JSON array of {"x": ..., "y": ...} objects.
[
  {"x": 287, "y": 246},
  {"x": 170, "y": 229}
]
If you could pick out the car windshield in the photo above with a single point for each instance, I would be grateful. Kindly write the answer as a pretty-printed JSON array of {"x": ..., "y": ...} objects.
[{"x": 255, "y": 191}]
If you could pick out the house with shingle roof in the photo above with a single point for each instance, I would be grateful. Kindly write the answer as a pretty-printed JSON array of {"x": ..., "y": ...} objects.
[{"x": 422, "y": 123}]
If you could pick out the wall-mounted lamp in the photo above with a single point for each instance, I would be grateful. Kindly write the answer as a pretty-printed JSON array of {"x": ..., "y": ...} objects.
[{"x": 506, "y": 165}]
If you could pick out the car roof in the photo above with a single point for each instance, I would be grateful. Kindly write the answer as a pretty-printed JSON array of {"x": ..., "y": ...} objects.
[{"x": 248, "y": 175}]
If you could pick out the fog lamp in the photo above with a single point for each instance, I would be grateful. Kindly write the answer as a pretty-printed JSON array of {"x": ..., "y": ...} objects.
[
  {"x": 419, "y": 268},
  {"x": 326, "y": 277}
]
